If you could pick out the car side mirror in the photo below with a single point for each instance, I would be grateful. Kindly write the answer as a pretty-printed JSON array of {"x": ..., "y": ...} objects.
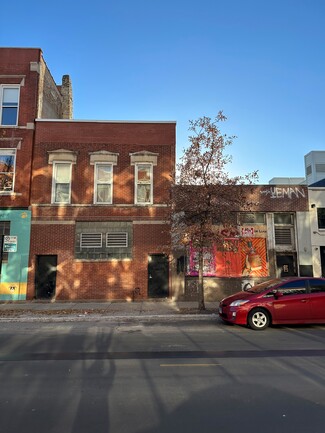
[{"x": 277, "y": 294}]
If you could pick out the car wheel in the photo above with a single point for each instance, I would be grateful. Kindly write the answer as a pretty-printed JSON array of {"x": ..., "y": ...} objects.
[{"x": 258, "y": 319}]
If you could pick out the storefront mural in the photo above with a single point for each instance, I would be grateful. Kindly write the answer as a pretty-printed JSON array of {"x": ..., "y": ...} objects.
[{"x": 239, "y": 257}]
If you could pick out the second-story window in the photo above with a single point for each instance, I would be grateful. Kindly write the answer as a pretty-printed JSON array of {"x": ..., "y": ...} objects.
[
  {"x": 9, "y": 105},
  {"x": 7, "y": 170},
  {"x": 143, "y": 184},
  {"x": 103, "y": 183},
  {"x": 61, "y": 186}
]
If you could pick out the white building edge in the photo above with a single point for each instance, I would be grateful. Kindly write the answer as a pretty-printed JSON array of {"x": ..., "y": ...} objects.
[{"x": 315, "y": 218}]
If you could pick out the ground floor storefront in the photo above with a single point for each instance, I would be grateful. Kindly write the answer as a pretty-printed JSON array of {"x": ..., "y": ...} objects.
[
  {"x": 14, "y": 253},
  {"x": 99, "y": 260}
]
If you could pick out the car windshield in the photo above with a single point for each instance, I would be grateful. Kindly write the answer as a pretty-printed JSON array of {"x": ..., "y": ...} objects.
[{"x": 263, "y": 286}]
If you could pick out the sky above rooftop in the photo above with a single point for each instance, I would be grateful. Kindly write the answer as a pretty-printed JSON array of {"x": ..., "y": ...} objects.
[{"x": 261, "y": 62}]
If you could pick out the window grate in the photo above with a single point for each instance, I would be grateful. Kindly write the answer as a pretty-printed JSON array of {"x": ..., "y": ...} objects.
[
  {"x": 283, "y": 236},
  {"x": 91, "y": 240},
  {"x": 117, "y": 240}
]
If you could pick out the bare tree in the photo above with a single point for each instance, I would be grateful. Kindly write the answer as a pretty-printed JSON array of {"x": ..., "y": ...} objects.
[{"x": 205, "y": 197}]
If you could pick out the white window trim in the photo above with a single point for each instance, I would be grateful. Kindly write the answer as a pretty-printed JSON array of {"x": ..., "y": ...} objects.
[
  {"x": 55, "y": 164},
  {"x": 9, "y": 86},
  {"x": 103, "y": 156},
  {"x": 4, "y": 151},
  {"x": 96, "y": 183},
  {"x": 62, "y": 155},
  {"x": 136, "y": 165}
]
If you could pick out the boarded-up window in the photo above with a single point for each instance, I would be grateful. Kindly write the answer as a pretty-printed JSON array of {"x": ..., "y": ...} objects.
[{"x": 252, "y": 218}]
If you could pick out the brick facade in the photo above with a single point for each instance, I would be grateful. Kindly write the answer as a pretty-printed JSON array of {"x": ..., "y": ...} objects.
[
  {"x": 55, "y": 227},
  {"x": 85, "y": 247}
]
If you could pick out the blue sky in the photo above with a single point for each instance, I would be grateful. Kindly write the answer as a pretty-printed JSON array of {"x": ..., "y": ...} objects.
[{"x": 261, "y": 62}]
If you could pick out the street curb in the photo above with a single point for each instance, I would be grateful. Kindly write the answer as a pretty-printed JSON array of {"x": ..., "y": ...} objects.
[{"x": 103, "y": 318}]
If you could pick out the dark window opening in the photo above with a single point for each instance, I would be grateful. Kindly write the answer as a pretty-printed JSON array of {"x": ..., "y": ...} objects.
[{"x": 321, "y": 217}]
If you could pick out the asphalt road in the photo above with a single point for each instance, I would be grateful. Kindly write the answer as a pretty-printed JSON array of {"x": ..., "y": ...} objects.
[{"x": 179, "y": 376}]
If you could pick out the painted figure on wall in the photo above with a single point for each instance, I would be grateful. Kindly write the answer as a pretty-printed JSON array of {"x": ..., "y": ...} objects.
[{"x": 238, "y": 258}]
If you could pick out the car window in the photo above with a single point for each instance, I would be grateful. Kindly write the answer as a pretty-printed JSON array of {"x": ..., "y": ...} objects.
[
  {"x": 263, "y": 286},
  {"x": 317, "y": 286},
  {"x": 293, "y": 288}
]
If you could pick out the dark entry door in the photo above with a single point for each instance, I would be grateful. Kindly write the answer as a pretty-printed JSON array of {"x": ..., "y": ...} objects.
[
  {"x": 158, "y": 276},
  {"x": 286, "y": 265},
  {"x": 45, "y": 277},
  {"x": 322, "y": 259}
]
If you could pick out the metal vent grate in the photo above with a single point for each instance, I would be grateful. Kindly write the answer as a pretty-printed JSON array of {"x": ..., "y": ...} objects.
[
  {"x": 283, "y": 236},
  {"x": 91, "y": 240},
  {"x": 117, "y": 240}
]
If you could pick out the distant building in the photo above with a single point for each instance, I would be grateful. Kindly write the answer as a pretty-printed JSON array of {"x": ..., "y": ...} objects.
[
  {"x": 287, "y": 181},
  {"x": 315, "y": 179},
  {"x": 315, "y": 166}
]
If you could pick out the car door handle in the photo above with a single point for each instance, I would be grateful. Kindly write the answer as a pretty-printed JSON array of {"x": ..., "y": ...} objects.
[{"x": 304, "y": 300}]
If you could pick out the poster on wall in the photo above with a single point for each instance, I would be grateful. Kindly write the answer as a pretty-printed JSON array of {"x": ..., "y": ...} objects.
[
  {"x": 209, "y": 262},
  {"x": 241, "y": 257},
  {"x": 228, "y": 263},
  {"x": 254, "y": 257}
]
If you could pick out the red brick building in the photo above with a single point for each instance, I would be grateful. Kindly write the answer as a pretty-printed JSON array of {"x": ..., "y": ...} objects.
[
  {"x": 99, "y": 197},
  {"x": 27, "y": 92}
]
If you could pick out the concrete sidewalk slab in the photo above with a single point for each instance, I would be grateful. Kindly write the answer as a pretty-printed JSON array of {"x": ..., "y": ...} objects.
[{"x": 107, "y": 309}]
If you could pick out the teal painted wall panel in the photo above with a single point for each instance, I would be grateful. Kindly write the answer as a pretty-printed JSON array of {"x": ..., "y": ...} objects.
[{"x": 16, "y": 269}]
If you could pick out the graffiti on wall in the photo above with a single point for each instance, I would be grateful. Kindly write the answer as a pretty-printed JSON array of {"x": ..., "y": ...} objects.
[{"x": 284, "y": 192}]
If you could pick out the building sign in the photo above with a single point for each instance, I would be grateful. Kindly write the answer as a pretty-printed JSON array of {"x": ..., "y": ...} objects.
[
  {"x": 10, "y": 244},
  {"x": 247, "y": 232}
]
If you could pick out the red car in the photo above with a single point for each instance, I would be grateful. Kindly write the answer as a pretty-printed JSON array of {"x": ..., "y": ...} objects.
[{"x": 278, "y": 301}]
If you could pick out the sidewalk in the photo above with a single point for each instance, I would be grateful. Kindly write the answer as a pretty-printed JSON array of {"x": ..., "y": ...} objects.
[{"x": 43, "y": 310}]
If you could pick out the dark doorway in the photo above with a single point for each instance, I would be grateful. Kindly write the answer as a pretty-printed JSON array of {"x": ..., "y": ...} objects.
[
  {"x": 286, "y": 265},
  {"x": 322, "y": 260},
  {"x": 45, "y": 277},
  {"x": 158, "y": 276}
]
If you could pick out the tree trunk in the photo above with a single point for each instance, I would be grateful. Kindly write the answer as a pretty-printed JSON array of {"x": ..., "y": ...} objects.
[{"x": 200, "y": 294}]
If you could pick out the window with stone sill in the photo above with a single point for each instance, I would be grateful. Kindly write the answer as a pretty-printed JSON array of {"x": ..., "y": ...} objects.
[
  {"x": 61, "y": 186},
  {"x": 143, "y": 184},
  {"x": 9, "y": 105},
  {"x": 103, "y": 183}
]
